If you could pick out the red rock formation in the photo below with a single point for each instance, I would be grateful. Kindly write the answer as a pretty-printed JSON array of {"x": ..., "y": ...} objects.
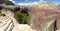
[{"x": 42, "y": 14}]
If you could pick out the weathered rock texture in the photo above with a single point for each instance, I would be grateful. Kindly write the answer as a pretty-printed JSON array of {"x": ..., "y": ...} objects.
[
  {"x": 9, "y": 23},
  {"x": 44, "y": 19},
  {"x": 6, "y": 24},
  {"x": 7, "y": 2}
]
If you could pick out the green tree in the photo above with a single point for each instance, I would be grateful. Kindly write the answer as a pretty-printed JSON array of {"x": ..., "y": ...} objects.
[{"x": 21, "y": 17}]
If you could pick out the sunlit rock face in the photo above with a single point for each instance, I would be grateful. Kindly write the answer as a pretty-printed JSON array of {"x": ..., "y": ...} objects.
[
  {"x": 45, "y": 5},
  {"x": 44, "y": 18},
  {"x": 6, "y": 21},
  {"x": 58, "y": 7},
  {"x": 6, "y": 24},
  {"x": 58, "y": 23}
]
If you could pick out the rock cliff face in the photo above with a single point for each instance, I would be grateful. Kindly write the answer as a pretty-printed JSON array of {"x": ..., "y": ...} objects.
[
  {"x": 6, "y": 22},
  {"x": 7, "y": 2},
  {"x": 44, "y": 18}
]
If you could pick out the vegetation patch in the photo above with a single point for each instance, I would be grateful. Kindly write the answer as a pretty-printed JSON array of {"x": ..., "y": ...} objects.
[
  {"x": 22, "y": 18},
  {"x": 1, "y": 14}
]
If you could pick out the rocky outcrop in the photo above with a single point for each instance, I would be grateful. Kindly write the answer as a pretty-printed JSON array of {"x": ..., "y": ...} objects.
[
  {"x": 44, "y": 19},
  {"x": 6, "y": 24},
  {"x": 9, "y": 23},
  {"x": 7, "y": 2},
  {"x": 45, "y": 5}
]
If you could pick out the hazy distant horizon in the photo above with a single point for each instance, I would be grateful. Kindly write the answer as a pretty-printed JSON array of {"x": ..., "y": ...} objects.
[{"x": 29, "y": 2}]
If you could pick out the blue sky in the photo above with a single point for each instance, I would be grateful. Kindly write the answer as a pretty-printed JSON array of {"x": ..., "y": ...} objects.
[
  {"x": 28, "y": 2},
  {"x": 55, "y": 1},
  {"x": 25, "y": 1}
]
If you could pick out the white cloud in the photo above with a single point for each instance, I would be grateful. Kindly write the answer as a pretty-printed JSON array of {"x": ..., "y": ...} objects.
[
  {"x": 31, "y": 3},
  {"x": 35, "y": 2},
  {"x": 26, "y": 0},
  {"x": 12, "y": 1},
  {"x": 26, "y": 4},
  {"x": 41, "y": 0}
]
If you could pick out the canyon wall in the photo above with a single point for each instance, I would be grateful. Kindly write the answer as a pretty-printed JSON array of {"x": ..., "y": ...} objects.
[{"x": 44, "y": 19}]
